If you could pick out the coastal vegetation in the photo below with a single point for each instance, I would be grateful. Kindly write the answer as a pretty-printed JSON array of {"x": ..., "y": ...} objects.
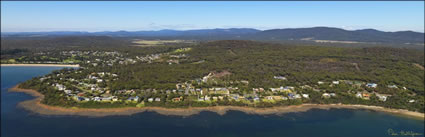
[{"x": 232, "y": 73}]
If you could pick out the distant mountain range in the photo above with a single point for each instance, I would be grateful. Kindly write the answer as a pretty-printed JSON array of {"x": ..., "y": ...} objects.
[{"x": 323, "y": 34}]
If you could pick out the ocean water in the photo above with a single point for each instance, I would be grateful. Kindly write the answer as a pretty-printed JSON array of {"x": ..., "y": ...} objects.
[{"x": 17, "y": 122}]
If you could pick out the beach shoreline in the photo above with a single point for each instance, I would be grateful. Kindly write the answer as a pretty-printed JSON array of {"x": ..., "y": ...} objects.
[
  {"x": 40, "y": 65},
  {"x": 36, "y": 106}
]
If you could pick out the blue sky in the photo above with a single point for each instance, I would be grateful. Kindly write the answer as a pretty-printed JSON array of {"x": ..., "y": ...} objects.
[{"x": 142, "y": 15}]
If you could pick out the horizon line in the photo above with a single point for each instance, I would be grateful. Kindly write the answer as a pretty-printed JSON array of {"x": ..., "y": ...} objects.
[{"x": 85, "y": 31}]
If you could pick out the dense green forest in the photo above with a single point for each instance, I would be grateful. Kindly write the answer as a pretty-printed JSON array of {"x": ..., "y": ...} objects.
[{"x": 259, "y": 62}]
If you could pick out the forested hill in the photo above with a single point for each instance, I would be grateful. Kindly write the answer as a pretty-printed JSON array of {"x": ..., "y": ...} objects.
[
  {"x": 323, "y": 34},
  {"x": 336, "y": 34},
  {"x": 61, "y": 42}
]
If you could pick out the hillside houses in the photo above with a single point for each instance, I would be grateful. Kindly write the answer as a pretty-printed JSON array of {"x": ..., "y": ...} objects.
[{"x": 89, "y": 88}]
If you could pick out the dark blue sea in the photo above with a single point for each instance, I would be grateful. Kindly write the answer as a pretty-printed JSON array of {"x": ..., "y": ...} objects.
[{"x": 17, "y": 122}]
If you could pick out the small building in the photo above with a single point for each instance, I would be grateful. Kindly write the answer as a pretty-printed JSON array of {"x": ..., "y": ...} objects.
[
  {"x": 157, "y": 99},
  {"x": 269, "y": 97},
  {"x": 67, "y": 91},
  {"x": 297, "y": 96},
  {"x": 133, "y": 98},
  {"x": 256, "y": 98},
  {"x": 371, "y": 85},
  {"x": 366, "y": 95},
  {"x": 326, "y": 95},
  {"x": 320, "y": 82},
  {"x": 305, "y": 96},
  {"x": 382, "y": 97},
  {"x": 114, "y": 98},
  {"x": 392, "y": 86},
  {"x": 359, "y": 95},
  {"x": 335, "y": 82},
  {"x": 97, "y": 99},
  {"x": 207, "y": 98},
  {"x": 279, "y": 77},
  {"x": 150, "y": 99},
  {"x": 412, "y": 101},
  {"x": 80, "y": 99},
  {"x": 176, "y": 99}
]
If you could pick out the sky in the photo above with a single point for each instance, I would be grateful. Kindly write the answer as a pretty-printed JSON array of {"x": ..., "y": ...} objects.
[{"x": 25, "y": 16}]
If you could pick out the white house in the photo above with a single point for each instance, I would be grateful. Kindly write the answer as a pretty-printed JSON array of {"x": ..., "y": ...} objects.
[
  {"x": 382, "y": 97},
  {"x": 326, "y": 95},
  {"x": 371, "y": 85},
  {"x": 68, "y": 91},
  {"x": 359, "y": 95},
  {"x": 99, "y": 80},
  {"x": 392, "y": 86},
  {"x": 279, "y": 77}
]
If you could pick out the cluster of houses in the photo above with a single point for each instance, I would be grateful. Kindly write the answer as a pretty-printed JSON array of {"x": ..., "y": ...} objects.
[{"x": 281, "y": 93}]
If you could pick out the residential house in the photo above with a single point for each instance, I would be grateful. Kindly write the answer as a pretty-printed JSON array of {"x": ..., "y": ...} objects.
[
  {"x": 326, "y": 95},
  {"x": 371, "y": 85},
  {"x": 382, "y": 97},
  {"x": 269, "y": 97},
  {"x": 99, "y": 80},
  {"x": 97, "y": 99},
  {"x": 279, "y": 77},
  {"x": 114, "y": 98},
  {"x": 207, "y": 98},
  {"x": 366, "y": 95},
  {"x": 359, "y": 95},
  {"x": 68, "y": 91},
  {"x": 133, "y": 98},
  {"x": 176, "y": 99},
  {"x": 392, "y": 86},
  {"x": 297, "y": 96}
]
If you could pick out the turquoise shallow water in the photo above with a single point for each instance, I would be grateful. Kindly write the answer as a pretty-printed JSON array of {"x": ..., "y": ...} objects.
[{"x": 16, "y": 122}]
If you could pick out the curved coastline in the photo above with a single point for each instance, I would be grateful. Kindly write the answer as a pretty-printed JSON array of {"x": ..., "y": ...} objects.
[
  {"x": 41, "y": 65},
  {"x": 36, "y": 106}
]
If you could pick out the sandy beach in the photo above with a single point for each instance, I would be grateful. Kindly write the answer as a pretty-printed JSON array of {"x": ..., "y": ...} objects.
[
  {"x": 41, "y": 65},
  {"x": 39, "y": 108}
]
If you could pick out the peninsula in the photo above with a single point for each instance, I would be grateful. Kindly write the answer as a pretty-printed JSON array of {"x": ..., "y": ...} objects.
[{"x": 253, "y": 77}]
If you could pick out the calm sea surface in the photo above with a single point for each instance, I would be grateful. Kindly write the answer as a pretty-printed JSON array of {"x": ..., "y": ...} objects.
[{"x": 17, "y": 122}]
